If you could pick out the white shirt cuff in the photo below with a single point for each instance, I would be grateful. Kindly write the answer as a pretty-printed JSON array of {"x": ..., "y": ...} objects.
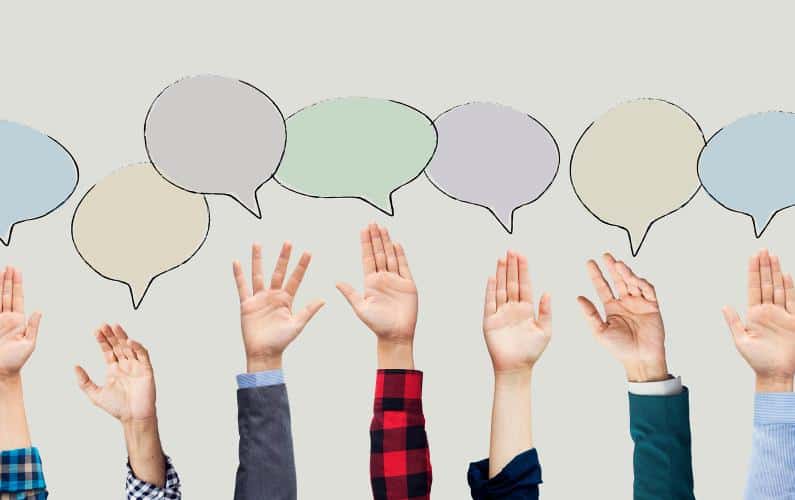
[{"x": 669, "y": 387}]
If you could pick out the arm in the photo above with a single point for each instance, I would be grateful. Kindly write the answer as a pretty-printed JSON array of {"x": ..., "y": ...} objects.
[
  {"x": 632, "y": 331},
  {"x": 767, "y": 342},
  {"x": 267, "y": 465},
  {"x": 400, "y": 465},
  {"x": 17, "y": 342},
  {"x": 129, "y": 396},
  {"x": 515, "y": 337}
]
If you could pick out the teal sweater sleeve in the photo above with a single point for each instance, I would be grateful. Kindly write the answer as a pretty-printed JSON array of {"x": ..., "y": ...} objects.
[{"x": 660, "y": 428}]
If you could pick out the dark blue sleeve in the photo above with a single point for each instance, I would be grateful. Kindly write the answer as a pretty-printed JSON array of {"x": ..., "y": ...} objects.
[{"x": 519, "y": 479}]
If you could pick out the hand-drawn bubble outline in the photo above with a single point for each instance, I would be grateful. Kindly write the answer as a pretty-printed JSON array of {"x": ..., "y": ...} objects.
[
  {"x": 757, "y": 232},
  {"x": 635, "y": 252},
  {"x": 152, "y": 279},
  {"x": 554, "y": 176},
  {"x": 258, "y": 213},
  {"x": 61, "y": 203},
  {"x": 355, "y": 197}
]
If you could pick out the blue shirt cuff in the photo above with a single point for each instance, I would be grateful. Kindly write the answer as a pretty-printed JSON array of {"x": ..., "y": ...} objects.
[
  {"x": 260, "y": 379},
  {"x": 519, "y": 479},
  {"x": 774, "y": 408}
]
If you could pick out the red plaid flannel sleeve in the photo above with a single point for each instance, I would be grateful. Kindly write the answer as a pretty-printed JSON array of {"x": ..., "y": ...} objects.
[{"x": 400, "y": 463}]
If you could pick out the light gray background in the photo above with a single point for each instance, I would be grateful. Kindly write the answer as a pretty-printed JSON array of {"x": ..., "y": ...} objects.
[{"x": 85, "y": 72}]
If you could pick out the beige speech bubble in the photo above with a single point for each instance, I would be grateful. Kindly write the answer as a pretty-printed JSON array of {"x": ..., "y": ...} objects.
[
  {"x": 636, "y": 164},
  {"x": 134, "y": 225}
]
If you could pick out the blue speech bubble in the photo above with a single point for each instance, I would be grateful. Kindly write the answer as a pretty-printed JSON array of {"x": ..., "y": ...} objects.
[
  {"x": 749, "y": 166},
  {"x": 37, "y": 174}
]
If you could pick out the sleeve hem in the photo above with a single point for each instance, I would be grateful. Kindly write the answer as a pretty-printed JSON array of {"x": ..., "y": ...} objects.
[{"x": 772, "y": 408}]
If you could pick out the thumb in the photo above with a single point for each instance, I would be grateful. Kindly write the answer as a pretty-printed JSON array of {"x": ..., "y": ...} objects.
[
  {"x": 85, "y": 382},
  {"x": 735, "y": 323},
  {"x": 32, "y": 330},
  {"x": 545, "y": 313},
  {"x": 308, "y": 312},
  {"x": 591, "y": 315},
  {"x": 352, "y": 296}
]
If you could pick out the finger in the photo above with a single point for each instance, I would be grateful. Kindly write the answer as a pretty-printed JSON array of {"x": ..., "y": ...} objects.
[
  {"x": 368, "y": 257},
  {"x": 545, "y": 313},
  {"x": 308, "y": 312},
  {"x": 32, "y": 329},
  {"x": 298, "y": 274},
  {"x": 120, "y": 338},
  {"x": 779, "y": 295},
  {"x": 592, "y": 315},
  {"x": 766, "y": 276},
  {"x": 7, "y": 289},
  {"x": 378, "y": 248},
  {"x": 525, "y": 285},
  {"x": 129, "y": 351},
  {"x": 140, "y": 353},
  {"x": 18, "y": 295},
  {"x": 502, "y": 276},
  {"x": 647, "y": 289},
  {"x": 280, "y": 271},
  {"x": 754, "y": 282},
  {"x": 240, "y": 281},
  {"x": 389, "y": 249},
  {"x": 630, "y": 278},
  {"x": 599, "y": 282},
  {"x": 789, "y": 290},
  {"x": 490, "y": 305},
  {"x": 403, "y": 263},
  {"x": 351, "y": 295},
  {"x": 735, "y": 323},
  {"x": 86, "y": 384},
  {"x": 257, "y": 276},
  {"x": 512, "y": 277},
  {"x": 618, "y": 281},
  {"x": 107, "y": 348}
]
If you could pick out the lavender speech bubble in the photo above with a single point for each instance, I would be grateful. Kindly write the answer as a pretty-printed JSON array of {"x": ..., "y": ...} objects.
[{"x": 493, "y": 156}]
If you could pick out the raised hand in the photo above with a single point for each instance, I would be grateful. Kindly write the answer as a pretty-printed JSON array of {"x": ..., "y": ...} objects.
[
  {"x": 17, "y": 335},
  {"x": 515, "y": 336},
  {"x": 632, "y": 330},
  {"x": 767, "y": 338},
  {"x": 266, "y": 314},
  {"x": 388, "y": 305},
  {"x": 129, "y": 391}
]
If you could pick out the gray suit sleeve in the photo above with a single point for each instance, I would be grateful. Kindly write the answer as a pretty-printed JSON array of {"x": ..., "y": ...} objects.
[{"x": 267, "y": 466}]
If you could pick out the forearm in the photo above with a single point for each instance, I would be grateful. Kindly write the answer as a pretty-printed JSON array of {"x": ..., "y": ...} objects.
[
  {"x": 395, "y": 355},
  {"x": 145, "y": 451},
  {"x": 511, "y": 429},
  {"x": 14, "y": 432},
  {"x": 773, "y": 384}
]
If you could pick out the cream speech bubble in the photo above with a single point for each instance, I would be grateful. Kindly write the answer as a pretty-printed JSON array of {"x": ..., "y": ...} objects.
[
  {"x": 637, "y": 164},
  {"x": 134, "y": 225}
]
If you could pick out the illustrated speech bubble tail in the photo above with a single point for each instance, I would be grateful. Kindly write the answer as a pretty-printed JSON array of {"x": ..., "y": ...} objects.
[
  {"x": 761, "y": 221},
  {"x": 5, "y": 236},
  {"x": 249, "y": 202},
  {"x": 505, "y": 217},
  {"x": 637, "y": 235},
  {"x": 138, "y": 290},
  {"x": 383, "y": 203}
]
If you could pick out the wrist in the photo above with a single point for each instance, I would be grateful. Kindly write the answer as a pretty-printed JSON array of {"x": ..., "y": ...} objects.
[
  {"x": 395, "y": 354},
  {"x": 649, "y": 371},
  {"x": 256, "y": 364},
  {"x": 10, "y": 382},
  {"x": 518, "y": 377},
  {"x": 773, "y": 384}
]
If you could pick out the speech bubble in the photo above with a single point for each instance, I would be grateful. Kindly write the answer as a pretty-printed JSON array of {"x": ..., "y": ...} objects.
[
  {"x": 214, "y": 135},
  {"x": 636, "y": 164},
  {"x": 133, "y": 226},
  {"x": 356, "y": 147},
  {"x": 749, "y": 166},
  {"x": 37, "y": 173},
  {"x": 493, "y": 156}
]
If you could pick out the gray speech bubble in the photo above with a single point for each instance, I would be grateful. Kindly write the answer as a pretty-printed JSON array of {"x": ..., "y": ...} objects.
[{"x": 214, "y": 135}]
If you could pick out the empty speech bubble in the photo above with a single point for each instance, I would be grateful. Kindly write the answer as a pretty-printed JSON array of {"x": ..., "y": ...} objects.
[
  {"x": 493, "y": 156},
  {"x": 133, "y": 226},
  {"x": 214, "y": 135},
  {"x": 749, "y": 166},
  {"x": 636, "y": 164},
  {"x": 37, "y": 173},
  {"x": 356, "y": 147}
]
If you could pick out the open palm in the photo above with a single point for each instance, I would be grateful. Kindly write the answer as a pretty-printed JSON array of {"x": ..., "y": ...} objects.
[
  {"x": 17, "y": 336},
  {"x": 515, "y": 337},
  {"x": 632, "y": 330},
  {"x": 388, "y": 305},
  {"x": 767, "y": 338},
  {"x": 266, "y": 316},
  {"x": 129, "y": 390}
]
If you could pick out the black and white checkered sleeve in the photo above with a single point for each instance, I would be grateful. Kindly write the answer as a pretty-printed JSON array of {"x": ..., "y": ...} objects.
[{"x": 141, "y": 490}]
